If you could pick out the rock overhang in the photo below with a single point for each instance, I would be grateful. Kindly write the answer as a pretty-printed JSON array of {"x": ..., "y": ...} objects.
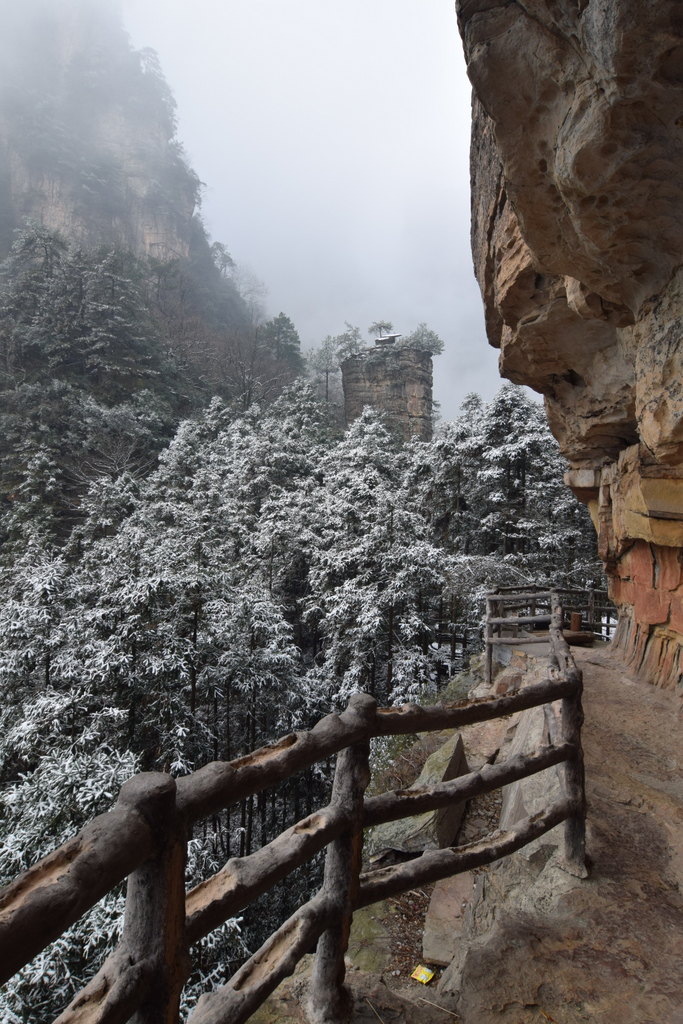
[{"x": 577, "y": 234}]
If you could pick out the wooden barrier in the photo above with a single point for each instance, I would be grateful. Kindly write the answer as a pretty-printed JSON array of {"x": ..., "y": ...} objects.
[
  {"x": 590, "y": 611},
  {"x": 144, "y": 838}
]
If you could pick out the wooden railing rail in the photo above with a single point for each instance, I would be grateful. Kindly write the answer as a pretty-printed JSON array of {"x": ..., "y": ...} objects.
[
  {"x": 597, "y": 611},
  {"x": 244, "y": 879},
  {"x": 144, "y": 838},
  {"x": 436, "y": 864},
  {"x": 509, "y": 608}
]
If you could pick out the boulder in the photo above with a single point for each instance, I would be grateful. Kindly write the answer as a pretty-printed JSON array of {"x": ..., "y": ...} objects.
[
  {"x": 537, "y": 792},
  {"x": 443, "y": 928},
  {"x": 370, "y": 941},
  {"x": 433, "y": 829}
]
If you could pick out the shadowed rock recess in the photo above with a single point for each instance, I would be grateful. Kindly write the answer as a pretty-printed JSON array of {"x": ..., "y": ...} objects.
[{"x": 577, "y": 235}]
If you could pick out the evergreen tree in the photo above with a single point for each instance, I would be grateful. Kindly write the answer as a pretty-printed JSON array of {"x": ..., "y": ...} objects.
[
  {"x": 423, "y": 337},
  {"x": 282, "y": 341},
  {"x": 491, "y": 483},
  {"x": 324, "y": 362},
  {"x": 373, "y": 571},
  {"x": 60, "y": 769},
  {"x": 380, "y": 327}
]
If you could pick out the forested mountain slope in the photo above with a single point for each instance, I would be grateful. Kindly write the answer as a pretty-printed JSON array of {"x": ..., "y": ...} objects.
[
  {"x": 88, "y": 134},
  {"x": 118, "y": 315}
]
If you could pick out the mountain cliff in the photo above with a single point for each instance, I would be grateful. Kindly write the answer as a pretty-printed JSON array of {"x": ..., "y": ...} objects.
[
  {"x": 87, "y": 134},
  {"x": 577, "y": 237}
]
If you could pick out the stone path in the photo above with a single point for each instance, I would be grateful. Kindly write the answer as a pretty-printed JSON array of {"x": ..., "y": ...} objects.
[{"x": 608, "y": 949}]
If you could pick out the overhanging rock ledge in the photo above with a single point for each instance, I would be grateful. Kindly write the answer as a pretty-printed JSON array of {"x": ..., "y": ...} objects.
[{"x": 577, "y": 237}]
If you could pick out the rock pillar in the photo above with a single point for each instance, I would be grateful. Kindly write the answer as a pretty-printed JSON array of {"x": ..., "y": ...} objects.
[{"x": 397, "y": 382}]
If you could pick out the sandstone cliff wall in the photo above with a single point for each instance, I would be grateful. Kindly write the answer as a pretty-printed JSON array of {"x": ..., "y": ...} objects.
[
  {"x": 577, "y": 233},
  {"x": 395, "y": 381}
]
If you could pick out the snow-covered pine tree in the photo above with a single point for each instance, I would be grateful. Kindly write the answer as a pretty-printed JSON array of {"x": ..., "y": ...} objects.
[{"x": 374, "y": 572}]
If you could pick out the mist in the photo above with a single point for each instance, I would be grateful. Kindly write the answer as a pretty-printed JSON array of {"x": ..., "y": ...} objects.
[{"x": 333, "y": 141}]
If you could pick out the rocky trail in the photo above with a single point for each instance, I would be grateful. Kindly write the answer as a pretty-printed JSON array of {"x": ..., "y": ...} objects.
[
  {"x": 536, "y": 944},
  {"x": 609, "y": 948}
]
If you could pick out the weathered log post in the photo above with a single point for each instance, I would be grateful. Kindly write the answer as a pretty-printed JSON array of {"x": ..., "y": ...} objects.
[
  {"x": 329, "y": 1001},
  {"x": 489, "y": 640},
  {"x": 154, "y": 924},
  {"x": 571, "y": 716},
  {"x": 572, "y": 771}
]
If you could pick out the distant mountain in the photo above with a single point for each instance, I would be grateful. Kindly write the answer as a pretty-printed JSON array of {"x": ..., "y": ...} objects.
[{"x": 88, "y": 141}]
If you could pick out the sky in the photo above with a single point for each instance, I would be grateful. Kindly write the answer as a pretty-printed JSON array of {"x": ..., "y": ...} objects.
[{"x": 333, "y": 140}]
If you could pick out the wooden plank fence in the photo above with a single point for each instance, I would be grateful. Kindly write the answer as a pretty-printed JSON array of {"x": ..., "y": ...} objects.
[{"x": 144, "y": 839}]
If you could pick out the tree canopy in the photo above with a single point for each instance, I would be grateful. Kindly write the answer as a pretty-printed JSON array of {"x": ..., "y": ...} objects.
[{"x": 266, "y": 568}]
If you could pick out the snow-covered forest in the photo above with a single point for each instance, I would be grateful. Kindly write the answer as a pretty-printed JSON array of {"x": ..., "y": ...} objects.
[
  {"x": 195, "y": 556},
  {"x": 165, "y": 604}
]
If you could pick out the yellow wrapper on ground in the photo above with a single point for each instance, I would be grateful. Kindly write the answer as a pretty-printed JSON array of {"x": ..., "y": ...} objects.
[{"x": 422, "y": 974}]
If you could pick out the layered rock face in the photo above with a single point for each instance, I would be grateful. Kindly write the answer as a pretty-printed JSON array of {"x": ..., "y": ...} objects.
[
  {"x": 577, "y": 235},
  {"x": 396, "y": 381}
]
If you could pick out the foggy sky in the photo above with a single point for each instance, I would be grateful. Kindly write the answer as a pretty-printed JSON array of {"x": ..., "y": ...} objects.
[{"x": 333, "y": 139}]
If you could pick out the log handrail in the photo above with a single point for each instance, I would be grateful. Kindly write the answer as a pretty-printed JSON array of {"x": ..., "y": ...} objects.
[
  {"x": 144, "y": 839},
  {"x": 512, "y": 607}
]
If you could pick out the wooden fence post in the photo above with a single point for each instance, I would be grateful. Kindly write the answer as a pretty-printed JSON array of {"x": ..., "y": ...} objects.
[
  {"x": 154, "y": 924},
  {"x": 489, "y": 641},
  {"x": 571, "y": 719},
  {"x": 329, "y": 1001}
]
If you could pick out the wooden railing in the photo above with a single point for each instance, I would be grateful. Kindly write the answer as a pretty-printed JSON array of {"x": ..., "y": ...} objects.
[
  {"x": 514, "y": 615},
  {"x": 144, "y": 839},
  {"x": 598, "y": 614}
]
